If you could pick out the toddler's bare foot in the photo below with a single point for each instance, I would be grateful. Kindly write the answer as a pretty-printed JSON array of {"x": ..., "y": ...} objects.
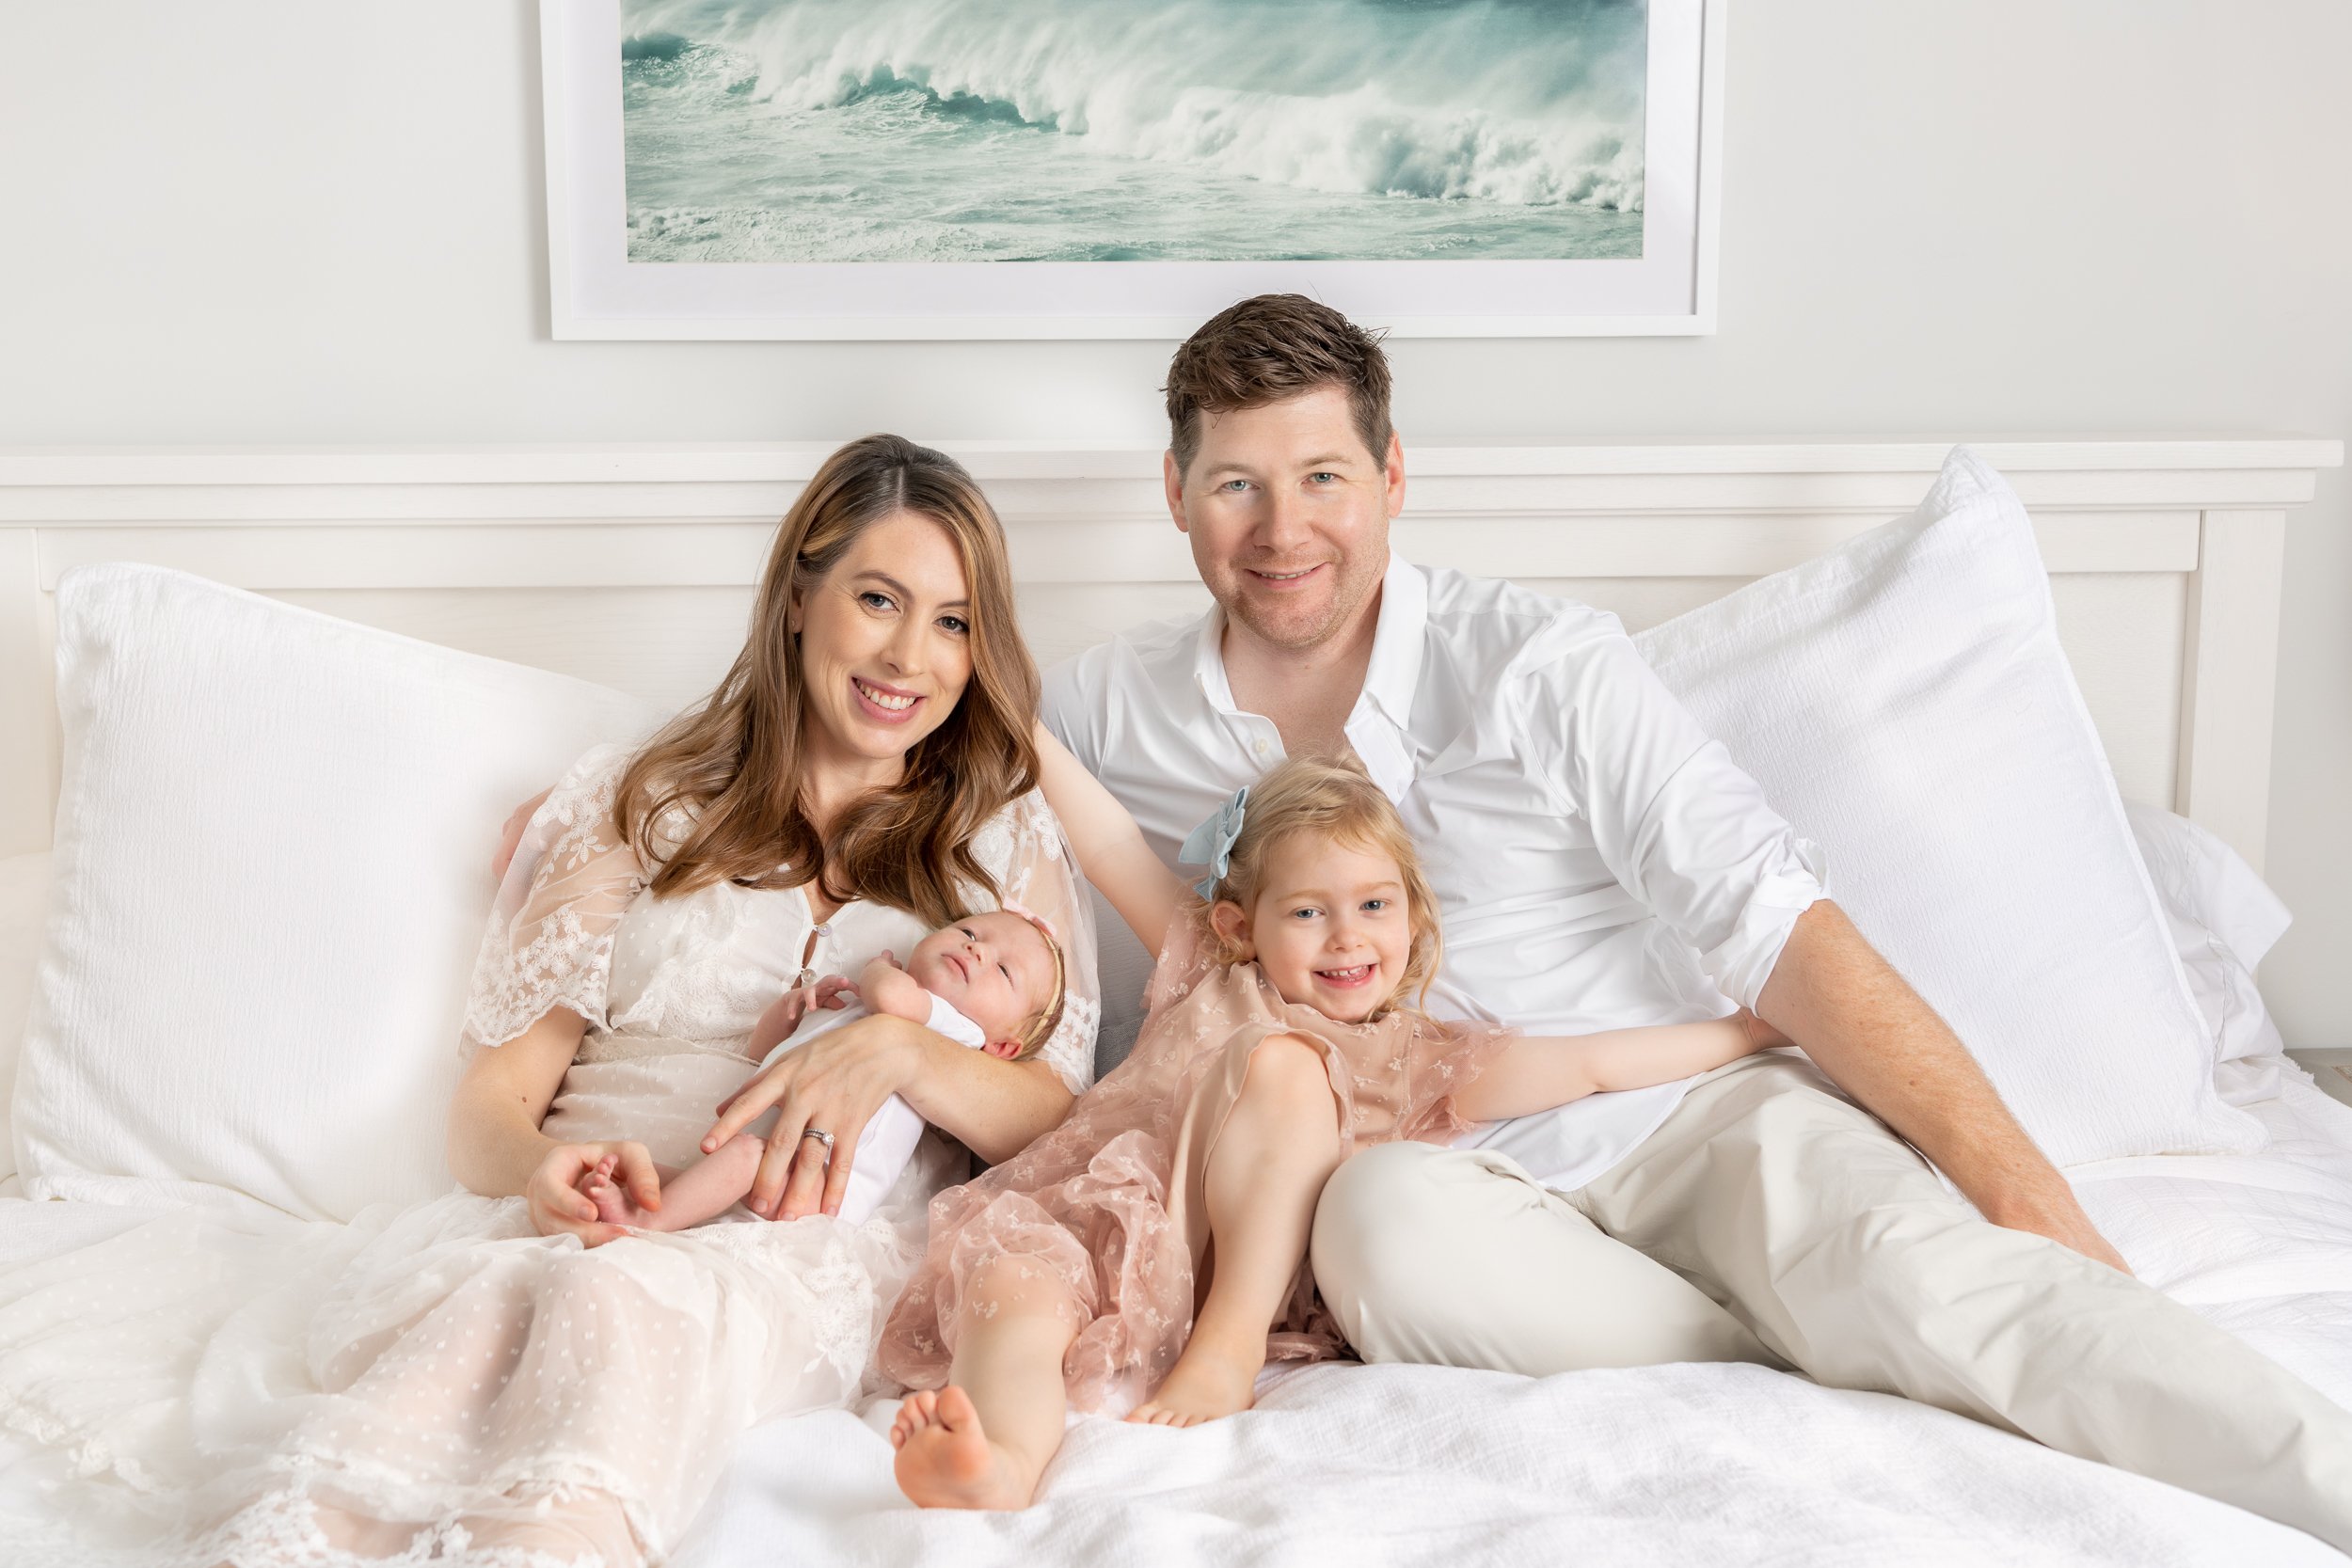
[
  {"x": 1209, "y": 1380},
  {"x": 945, "y": 1461}
]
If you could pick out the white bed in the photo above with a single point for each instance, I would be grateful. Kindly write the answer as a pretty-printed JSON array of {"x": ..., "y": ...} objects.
[{"x": 627, "y": 566}]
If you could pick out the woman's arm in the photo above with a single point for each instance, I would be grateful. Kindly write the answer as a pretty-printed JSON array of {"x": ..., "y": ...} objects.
[
  {"x": 1537, "y": 1074},
  {"x": 494, "y": 1137},
  {"x": 1109, "y": 846},
  {"x": 837, "y": 1082},
  {"x": 496, "y": 1148}
]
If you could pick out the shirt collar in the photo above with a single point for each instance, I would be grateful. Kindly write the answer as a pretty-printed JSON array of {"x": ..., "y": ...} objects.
[
  {"x": 1397, "y": 638},
  {"x": 1208, "y": 662},
  {"x": 1376, "y": 727}
]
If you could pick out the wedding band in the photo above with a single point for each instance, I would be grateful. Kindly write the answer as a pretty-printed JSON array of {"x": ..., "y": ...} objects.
[{"x": 825, "y": 1138}]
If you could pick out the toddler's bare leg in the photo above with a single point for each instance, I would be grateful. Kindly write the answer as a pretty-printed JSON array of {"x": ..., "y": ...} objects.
[
  {"x": 1280, "y": 1144},
  {"x": 983, "y": 1440},
  {"x": 703, "y": 1191}
]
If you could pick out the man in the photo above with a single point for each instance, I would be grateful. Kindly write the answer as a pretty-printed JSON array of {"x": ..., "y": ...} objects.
[{"x": 1603, "y": 863}]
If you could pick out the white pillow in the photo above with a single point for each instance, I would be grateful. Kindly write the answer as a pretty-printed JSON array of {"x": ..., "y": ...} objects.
[
  {"x": 272, "y": 871},
  {"x": 24, "y": 905},
  {"x": 2223, "y": 918},
  {"x": 1904, "y": 703}
]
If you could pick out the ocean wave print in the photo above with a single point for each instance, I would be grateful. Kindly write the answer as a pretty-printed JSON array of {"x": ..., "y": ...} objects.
[{"x": 1404, "y": 127}]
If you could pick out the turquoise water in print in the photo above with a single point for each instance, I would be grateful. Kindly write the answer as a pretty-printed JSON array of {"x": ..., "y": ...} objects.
[{"x": 1129, "y": 130}]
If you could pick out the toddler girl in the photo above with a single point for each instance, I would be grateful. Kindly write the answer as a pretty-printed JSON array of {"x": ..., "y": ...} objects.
[
  {"x": 993, "y": 981},
  {"x": 1149, "y": 1244}
]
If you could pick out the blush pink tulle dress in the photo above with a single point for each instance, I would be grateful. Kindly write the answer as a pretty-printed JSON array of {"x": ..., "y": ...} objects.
[{"x": 1108, "y": 1207}]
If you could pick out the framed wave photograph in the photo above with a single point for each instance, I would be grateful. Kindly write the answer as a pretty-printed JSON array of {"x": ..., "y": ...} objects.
[{"x": 1123, "y": 168}]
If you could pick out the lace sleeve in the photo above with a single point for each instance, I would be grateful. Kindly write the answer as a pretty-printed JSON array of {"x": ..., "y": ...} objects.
[
  {"x": 550, "y": 939},
  {"x": 1023, "y": 846}
]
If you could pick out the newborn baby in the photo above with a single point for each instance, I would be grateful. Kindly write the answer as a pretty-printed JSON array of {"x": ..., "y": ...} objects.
[{"x": 993, "y": 981}]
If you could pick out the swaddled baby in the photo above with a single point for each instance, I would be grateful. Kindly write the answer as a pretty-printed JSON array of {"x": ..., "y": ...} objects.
[{"x": 993, "y": 981}]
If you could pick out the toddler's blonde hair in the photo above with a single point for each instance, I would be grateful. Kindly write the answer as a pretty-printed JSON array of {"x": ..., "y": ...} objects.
[{"x": 1337, "y": 802}]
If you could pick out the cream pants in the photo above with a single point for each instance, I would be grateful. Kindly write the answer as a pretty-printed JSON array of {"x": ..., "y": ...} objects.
[{"x": 1770, "y": 1219}]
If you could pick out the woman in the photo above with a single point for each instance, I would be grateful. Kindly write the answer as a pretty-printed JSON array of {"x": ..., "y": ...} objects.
[{"x": 493, "y": 1377}]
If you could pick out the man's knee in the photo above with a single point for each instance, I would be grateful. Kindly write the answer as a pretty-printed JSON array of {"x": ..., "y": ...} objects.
[
  {"x": 1387, "y": 1216},
  {"x": 1371, "y": 1216}
]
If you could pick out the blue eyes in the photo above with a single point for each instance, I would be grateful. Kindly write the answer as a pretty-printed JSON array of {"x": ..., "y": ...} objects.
[
  {"x": 953, "y": 625},
  {"x": 1370, "y": 906},
  {"x": 1231, "y": 485}
]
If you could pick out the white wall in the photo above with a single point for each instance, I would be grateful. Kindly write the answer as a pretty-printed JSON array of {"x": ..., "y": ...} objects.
[{"x": 275, "y": 221}]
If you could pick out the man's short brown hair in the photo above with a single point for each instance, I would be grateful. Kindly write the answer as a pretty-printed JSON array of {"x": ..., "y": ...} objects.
[{"x": 1269, "y": 348}]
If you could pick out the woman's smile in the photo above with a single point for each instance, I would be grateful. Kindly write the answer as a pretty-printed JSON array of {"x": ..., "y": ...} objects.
[{"x": 884, "y": 704}]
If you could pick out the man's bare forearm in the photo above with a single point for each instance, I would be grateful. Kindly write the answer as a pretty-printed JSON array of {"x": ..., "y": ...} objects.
[{"x": 1878, "y": 1040}]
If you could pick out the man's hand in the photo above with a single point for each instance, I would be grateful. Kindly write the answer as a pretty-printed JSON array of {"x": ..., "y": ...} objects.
[
  {"x": 2065, "y": 1224},
  {"x": 1879, "y": 1040}
]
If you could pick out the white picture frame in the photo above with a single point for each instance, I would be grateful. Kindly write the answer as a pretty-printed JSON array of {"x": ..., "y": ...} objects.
[{"x": 595, "y": 292}]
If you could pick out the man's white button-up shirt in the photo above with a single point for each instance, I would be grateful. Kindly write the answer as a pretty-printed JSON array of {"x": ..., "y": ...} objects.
[{"x": 1600, "y": 861}]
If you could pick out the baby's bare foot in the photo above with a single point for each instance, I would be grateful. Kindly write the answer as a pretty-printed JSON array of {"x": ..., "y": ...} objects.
[
  {"x": 945, "y": 1461},
  {"x": 614, "y": 1204},
  {"x": 1209, "y": 1380}
]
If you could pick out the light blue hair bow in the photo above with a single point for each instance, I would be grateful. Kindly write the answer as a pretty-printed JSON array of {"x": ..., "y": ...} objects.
[{"x": 1211, "y": 843}]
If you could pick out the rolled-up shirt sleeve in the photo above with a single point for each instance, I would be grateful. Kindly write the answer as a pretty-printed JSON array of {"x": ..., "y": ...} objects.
[
  {"x": 1677, "y": 821},
  {"x": 1069, "y": 701}
]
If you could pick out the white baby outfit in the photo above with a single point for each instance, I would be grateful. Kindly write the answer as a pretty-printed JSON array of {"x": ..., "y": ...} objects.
[
  {"x": 442, "y": 1384},
  {"x": 889, "y": 1139}
]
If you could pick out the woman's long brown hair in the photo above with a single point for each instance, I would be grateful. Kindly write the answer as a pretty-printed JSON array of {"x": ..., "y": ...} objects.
[{"x": 717, "y": 793}]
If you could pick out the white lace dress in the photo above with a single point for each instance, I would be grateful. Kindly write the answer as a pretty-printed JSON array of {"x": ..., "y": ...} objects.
[{"x": 440, "y": 1384}]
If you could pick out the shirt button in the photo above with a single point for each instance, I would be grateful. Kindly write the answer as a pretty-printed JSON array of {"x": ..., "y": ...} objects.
[{"x": 1259, "y": 747}]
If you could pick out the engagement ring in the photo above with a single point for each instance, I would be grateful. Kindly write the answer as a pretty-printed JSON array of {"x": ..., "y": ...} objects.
[{"x": 825, "y": 1138}]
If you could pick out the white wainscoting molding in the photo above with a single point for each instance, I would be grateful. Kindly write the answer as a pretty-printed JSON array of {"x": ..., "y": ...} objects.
[{"x": 632, "y": 565}]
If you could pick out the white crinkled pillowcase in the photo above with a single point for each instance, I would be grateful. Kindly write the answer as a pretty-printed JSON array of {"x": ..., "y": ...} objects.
[
  {"x": 1904, "y": 703},
  {"x": 271, "y": 875},
  {"x": 2224, "y": 918},
  {"x": 24, "y": 907}
]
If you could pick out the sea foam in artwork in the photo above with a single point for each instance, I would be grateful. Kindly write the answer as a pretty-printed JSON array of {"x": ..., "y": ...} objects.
[{"x": 1118, "y": 130}]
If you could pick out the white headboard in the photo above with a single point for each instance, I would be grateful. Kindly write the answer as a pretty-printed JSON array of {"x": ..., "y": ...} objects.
[{"x": 632, "y": 565}]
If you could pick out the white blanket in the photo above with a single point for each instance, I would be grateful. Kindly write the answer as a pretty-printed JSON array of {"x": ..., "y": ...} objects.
[{"x": 1697, "y": 1463}]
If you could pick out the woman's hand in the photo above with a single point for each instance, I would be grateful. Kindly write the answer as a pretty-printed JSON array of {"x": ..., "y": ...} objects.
[
  {"x": 558, "y": 1207},
  {"x": 833, "y": 1084}
]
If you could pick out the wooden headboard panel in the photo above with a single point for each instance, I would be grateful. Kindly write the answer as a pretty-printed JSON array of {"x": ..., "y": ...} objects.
[{"x": 632, "y": 564}]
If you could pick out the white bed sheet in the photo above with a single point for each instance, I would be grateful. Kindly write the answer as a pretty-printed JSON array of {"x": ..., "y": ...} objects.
[{"x": 1698, "y": 1463}]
